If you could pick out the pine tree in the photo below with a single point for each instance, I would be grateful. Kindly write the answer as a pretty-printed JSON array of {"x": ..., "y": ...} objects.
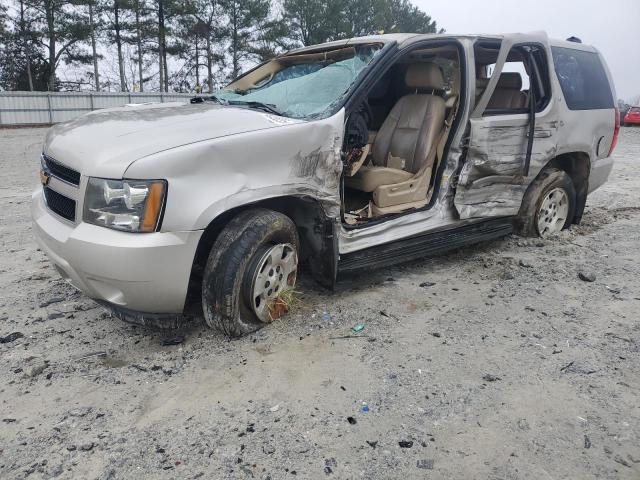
[
  {"x": 22, "y": 67},
  {"x": 141, "y": 33},
  {"x": 401, "y": 16},
  {"x": 116, "y": 28},
  {"x": 316, "y": 21},
  {"x": 23, "y": 28},
  {"x": 61, "y": 29},
  {"x": 247, "y": 22},
  {"x": 92, "y": 35},
  {"x": 3, "y": 22},
  {"x": 312, "y": 21},
  {"x": 168, "y": 14},
  {"x": 208, "y": 14}
]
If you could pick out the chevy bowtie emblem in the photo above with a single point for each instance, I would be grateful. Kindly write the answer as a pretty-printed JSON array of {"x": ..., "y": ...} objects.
[{"x": 44, "y": 177}]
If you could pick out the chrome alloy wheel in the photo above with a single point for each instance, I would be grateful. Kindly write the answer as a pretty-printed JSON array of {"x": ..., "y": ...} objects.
[
  {"x": 553, "y": 212},
  {"x": 275, "y": 271}
]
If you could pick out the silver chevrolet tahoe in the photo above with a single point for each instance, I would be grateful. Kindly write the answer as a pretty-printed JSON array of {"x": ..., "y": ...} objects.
[{"x": 338, "y": 157}]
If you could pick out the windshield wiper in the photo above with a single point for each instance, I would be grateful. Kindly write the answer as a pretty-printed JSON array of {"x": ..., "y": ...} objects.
[
  {"x": 266, "y": 107},
  {"x": 210, "y": 98}
]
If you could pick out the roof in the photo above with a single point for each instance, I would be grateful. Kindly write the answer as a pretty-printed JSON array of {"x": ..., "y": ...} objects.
[{"x": 404, "y": 37}]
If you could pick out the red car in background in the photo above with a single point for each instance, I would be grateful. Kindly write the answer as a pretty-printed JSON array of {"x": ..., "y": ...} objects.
[{"x": 633, "y": 116}]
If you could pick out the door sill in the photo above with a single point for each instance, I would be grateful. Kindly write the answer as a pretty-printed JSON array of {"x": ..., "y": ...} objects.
[{"x": 424, "y": 245}]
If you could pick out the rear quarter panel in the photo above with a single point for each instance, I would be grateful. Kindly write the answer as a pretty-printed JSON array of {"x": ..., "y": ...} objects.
[{"x": 587, "y": 131}]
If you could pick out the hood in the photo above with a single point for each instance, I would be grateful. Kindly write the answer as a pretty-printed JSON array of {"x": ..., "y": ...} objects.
[{"x": 105, "y": 142}]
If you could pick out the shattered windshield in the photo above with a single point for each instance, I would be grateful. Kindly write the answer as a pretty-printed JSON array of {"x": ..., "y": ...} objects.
[{"x": 300, "y": 86}]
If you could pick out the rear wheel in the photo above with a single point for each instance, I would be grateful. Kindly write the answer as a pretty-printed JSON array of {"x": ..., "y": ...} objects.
[
  {"x": 548, "y": 206},
  {"x": 253, "y": 260}
]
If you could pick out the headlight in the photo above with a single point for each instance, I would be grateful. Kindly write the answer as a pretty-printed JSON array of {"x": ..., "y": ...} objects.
[{"x": 129, "y": 205}]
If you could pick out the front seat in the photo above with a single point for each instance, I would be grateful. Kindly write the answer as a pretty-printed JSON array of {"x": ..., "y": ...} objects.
[{"x": 404, "y": 149}]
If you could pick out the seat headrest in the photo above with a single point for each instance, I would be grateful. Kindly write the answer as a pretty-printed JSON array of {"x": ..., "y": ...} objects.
[
  {"x": 510, "y": 81},
  {"x": 424, "y": 75}
]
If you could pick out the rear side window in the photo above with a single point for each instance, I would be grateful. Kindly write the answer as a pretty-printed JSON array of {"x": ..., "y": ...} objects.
[{"x": 583, "y": 80}]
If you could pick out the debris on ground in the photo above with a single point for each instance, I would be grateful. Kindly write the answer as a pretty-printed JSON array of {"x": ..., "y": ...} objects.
[
  {"x": 177, "y": 340},
  {"x": 329, "y": 465},
  {"x": 35, "y": 370},
  {"x": 358, "y": 328},
  {"x": 268, "y": 448},
  {"x": 426, "y": 464},
  {"x": 12, "y": 337},
  {"x": 573, "y": 367},
  {"x": 389, "y": 315},
  {"x": 51, "y": 301},
  {"x": 587, "y": 276},
  {"x": 621, "y": 461}
]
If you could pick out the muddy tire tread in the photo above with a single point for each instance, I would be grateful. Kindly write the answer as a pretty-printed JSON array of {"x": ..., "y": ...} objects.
[
  {"x": 525, "y": 224},
  {"x": 232, "y": 251}
]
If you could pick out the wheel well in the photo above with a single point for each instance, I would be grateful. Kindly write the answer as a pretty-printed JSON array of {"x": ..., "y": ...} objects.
[
  {"x": 577, "y": 165},
  {"x": 306, "y": 212}
]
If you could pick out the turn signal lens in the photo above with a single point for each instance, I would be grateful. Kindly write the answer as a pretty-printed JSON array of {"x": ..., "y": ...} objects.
[{"x": 155, "y": 199}]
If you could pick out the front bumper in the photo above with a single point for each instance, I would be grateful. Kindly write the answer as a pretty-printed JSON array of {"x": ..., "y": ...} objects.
[{"x": 145, "y": 272}]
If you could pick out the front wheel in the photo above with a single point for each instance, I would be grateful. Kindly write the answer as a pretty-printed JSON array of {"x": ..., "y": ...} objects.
[
  {"x": 548, "y": 206},
  {"x": 253, "y": 260}
]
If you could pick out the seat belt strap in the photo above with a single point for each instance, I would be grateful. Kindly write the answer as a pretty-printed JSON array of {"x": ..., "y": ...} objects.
[{"x": 445, "y": 134}]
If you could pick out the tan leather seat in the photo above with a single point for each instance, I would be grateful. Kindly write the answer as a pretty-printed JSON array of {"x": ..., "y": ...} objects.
[
  {"x": 404, "y": 147},
  {"x": 508, "y": 93}
]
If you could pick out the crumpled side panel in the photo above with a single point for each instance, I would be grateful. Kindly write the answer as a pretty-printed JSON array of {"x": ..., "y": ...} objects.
[
  {"x": 490, "y": 199},
  {"x": 495, "y": 150},
  {"x": 491, "y": 182}
]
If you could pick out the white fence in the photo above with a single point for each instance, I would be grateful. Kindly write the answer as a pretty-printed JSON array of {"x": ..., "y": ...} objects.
[{"x": 31, "y": 108}]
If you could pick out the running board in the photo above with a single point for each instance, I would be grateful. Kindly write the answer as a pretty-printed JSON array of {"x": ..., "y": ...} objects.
[{"x": 425, "y": 245}]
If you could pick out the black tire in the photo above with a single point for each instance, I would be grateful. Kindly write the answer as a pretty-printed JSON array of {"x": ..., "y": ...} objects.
[
  {"x": 549, "y": 179},
  {"x": 223, "y": 298}
]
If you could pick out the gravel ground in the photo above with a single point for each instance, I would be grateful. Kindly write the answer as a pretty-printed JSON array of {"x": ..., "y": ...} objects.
[{"x": 493, "y": 362}]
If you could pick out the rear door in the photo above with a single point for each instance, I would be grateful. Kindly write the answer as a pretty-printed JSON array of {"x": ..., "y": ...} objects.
[{"x": 507, "y": 144}]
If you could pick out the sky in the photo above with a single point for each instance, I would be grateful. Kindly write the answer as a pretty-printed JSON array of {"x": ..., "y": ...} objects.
[{"x": 612, "y": 26}]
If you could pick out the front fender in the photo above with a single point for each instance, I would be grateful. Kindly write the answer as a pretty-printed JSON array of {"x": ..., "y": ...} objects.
[{"x": 207, "y": 178}]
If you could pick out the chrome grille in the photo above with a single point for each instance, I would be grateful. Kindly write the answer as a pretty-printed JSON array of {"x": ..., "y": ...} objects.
[
  {"x": 59, "y": 204},
  {"x": 56, "y": 169}
]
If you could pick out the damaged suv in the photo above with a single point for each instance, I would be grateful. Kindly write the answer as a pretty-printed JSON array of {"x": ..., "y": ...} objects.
[{"x": 340, "y": 157}]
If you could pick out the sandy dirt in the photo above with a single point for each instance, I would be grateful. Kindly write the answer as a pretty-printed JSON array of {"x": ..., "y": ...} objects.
[{"x": 493, "y": 362}]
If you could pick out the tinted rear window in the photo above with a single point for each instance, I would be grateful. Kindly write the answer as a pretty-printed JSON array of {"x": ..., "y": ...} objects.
[{"x": 583, "y": 80}]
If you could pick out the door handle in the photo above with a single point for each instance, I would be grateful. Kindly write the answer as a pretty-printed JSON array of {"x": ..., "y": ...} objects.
[{"x": 541, "y": 134}]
